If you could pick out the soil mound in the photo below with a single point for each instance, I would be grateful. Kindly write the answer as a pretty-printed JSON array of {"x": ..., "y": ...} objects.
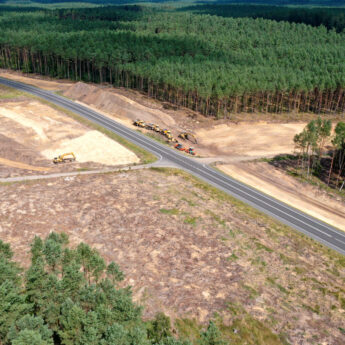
[
  {"x": 107, "y": 151},
  {"x": 119, "y": 105}
]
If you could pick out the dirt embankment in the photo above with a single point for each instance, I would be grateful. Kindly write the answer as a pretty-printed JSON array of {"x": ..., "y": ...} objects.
[
  {"x": 185, "y": 251},
  {"x": 278, "y": 184},
  {"x": 32, "y": 134}
]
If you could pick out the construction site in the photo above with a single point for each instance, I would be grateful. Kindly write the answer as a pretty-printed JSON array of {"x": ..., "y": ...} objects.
[{"x": 185, "y": 249}]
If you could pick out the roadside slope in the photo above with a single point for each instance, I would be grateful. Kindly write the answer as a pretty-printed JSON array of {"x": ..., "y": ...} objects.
[{"x": 302, "y": 196}]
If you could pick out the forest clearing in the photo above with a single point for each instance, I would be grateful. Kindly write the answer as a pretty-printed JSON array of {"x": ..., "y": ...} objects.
[
  {"x": 33, "y": 133},
  {"x": 188, "y": 251},
  {"x": 191, "y": 133}
]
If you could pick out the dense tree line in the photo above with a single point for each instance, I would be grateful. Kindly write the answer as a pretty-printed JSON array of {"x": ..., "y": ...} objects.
[
  {"x": 71, "y": 297},
  {"x": 211, "y": 64},
  {"x": 310, "y": 144},
  {"x": 326, "y": 3},
  {"x": 331, "y": 18}
]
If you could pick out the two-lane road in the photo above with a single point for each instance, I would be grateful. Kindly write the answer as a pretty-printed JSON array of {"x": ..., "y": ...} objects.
[{"x": 298, "y": 220}]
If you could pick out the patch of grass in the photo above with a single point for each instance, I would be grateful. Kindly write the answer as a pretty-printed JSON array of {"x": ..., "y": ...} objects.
[
  {"x": 8, "y": 92},
  {"x": 189, "y": 202},
  {"x": 300, "y": 270},
  {"x": 219, "y": 220},
  {"x": 172, "y": 211},
  {"x": 258, "y": 261},
  {"x": 273, "y": 282},
  {"x": 232, "y": 257},
  {"x": 252, "y": 292},
  {"x": 188, "y": 329},
  {"x": 190, "y": 220},
  {"x": 261, "y": 246},
  {"x": 246, "y": 330},
  {"x": 315, "y": 310},
  {"x": 156, "y": 137}
]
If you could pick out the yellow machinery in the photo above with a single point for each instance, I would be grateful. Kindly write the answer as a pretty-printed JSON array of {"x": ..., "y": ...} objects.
[
  {"x": 156, "y": 128},
  {"x": 139, "y": 123},
  {"x": 188, "y": 136},
  {"x": 165, "y": 132},
  {"x": 65, "y": 158},
  {"x": 171, "y": 138},
  {"x": 150, "y": 126}
]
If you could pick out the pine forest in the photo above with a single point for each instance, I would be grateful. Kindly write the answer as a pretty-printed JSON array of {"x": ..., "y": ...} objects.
[{"x": 212, "y": 64}]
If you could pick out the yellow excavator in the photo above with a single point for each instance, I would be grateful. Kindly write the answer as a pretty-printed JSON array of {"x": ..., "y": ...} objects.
[
  {"x": 139, "y": 123},
  {"x": 65, "y": 158},
  {"x": 188, "y": 136}
]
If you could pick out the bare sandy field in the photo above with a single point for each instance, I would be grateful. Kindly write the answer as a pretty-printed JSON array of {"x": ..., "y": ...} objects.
[
  {"x": 185, "y": 251},
  {"x": 32, "y": 134},
  {"x": 288, "y": 189},
  {"x": 250, "y": 139}
]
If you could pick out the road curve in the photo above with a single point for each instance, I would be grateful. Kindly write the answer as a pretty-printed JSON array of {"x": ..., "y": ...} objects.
[{"x": 312, "y": 227}]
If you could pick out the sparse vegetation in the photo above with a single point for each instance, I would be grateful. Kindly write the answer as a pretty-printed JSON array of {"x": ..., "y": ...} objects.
[{"x": 194, "y": 261}]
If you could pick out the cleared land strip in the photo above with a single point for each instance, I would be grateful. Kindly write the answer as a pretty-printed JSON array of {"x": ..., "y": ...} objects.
[{"x": 310, "y": 226}]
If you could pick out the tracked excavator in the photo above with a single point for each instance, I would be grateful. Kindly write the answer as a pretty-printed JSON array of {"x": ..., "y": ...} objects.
[
  {"x": 188, "y": 136},
  {"x": 65, "y": 158}
]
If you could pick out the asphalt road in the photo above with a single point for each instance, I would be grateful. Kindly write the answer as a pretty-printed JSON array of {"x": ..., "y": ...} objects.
[{"x": 298, "y": 220}]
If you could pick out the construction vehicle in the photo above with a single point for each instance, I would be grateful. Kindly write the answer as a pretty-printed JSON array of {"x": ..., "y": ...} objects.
[
  {"x": 171, "y": 138},
  {"x": 156, "y": 128},
  {"x": 150, "y": 126},
  {"x": 139, "y": 123},
  {"x": 65, "y": 158},
  {"x": 165, "y": 132},
  {"x": 188, "y": 136},
  {"x": 191, "y": 151},
  {"x": 179, "y": 147}
]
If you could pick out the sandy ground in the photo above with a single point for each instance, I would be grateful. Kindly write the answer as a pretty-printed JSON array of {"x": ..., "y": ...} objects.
[
  {"x": 32, "y": 134},
  {"x": 250, "y": 139},
  {"x": 288, "y": 189},
  {"x": 184, "y": 251},
  {"x": 117, "y": 104},
  {"x": 95, "y": 147}
]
